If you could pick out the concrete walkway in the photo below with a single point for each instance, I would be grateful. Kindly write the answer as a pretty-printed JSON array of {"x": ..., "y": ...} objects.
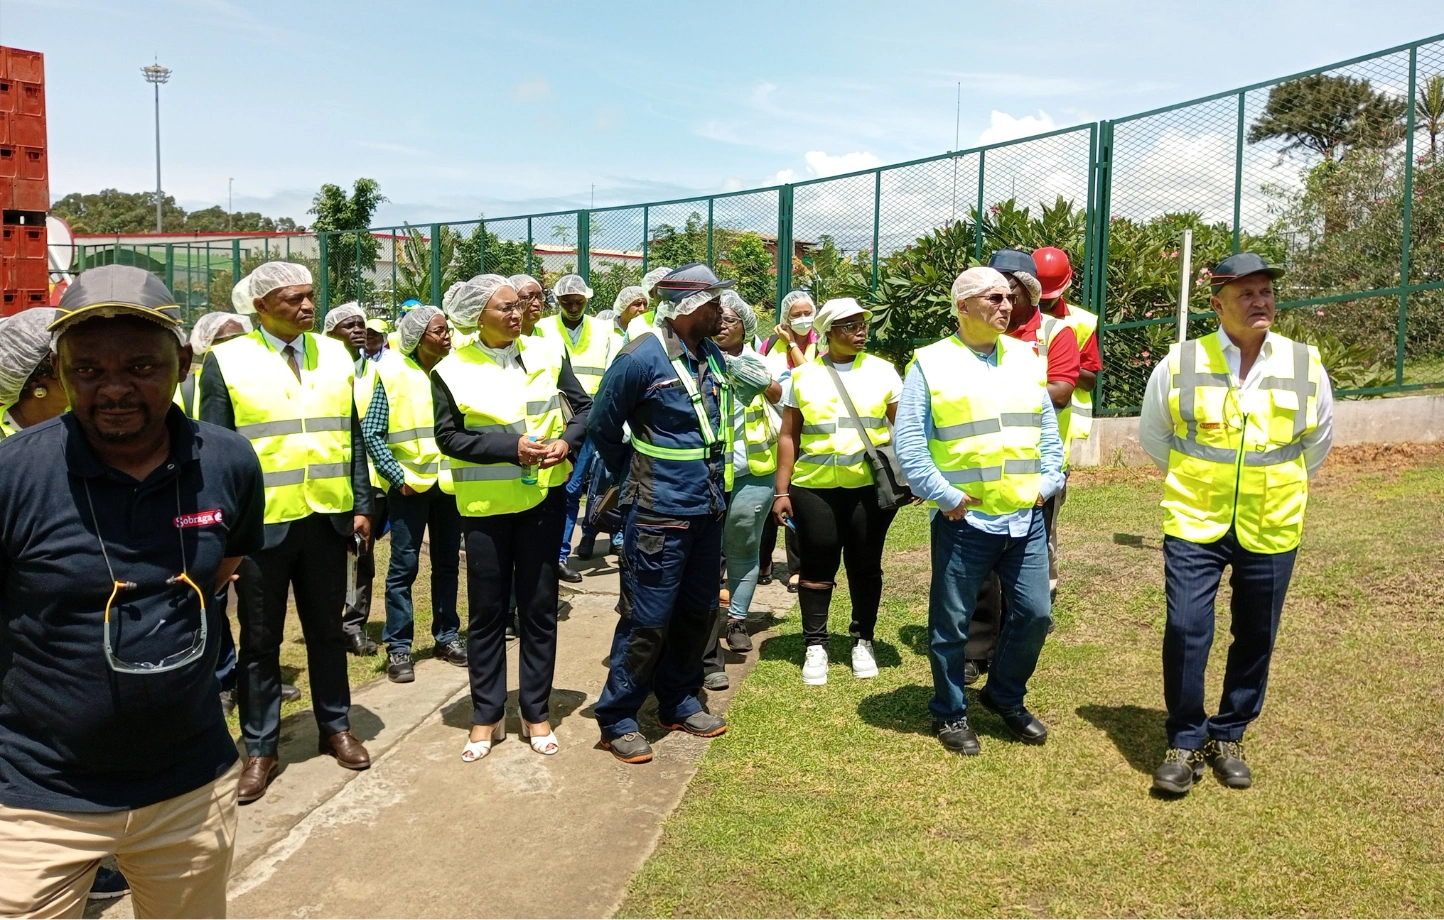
[{"x": 422, "y": 834}]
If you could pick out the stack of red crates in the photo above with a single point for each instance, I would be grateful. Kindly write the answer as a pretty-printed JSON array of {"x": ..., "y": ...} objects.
[{"x": 24, "y": 181}]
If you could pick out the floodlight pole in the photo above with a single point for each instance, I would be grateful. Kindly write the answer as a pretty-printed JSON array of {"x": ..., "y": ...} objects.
[{"x": 156, "y": 75}]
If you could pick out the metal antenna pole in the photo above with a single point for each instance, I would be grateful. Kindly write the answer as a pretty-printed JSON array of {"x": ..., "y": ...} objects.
[
  {"x": 230, "y": 199},
  {"x": 156, "y": 75}
]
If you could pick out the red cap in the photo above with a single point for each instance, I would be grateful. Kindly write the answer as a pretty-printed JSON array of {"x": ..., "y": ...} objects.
[{"x": 1054, "y": 271}]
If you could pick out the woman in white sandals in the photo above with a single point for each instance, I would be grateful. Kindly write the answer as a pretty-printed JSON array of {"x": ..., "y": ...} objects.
[{"x": 498, "y": 416}]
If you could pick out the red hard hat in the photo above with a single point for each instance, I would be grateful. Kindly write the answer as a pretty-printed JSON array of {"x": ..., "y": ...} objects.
[{"x": 1054, "y": 272}]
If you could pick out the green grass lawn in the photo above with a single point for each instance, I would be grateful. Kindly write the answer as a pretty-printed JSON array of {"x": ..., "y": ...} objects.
[{"x": 837, "y": 800}]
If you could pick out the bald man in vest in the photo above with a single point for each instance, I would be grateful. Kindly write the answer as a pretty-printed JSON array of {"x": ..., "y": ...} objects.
[{"x": 1239, "y": 420}]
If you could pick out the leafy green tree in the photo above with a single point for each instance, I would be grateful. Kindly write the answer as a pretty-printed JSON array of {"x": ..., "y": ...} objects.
[
  {"x": 351, "y": 249},
  {"x": 1429, "y": 110},
  {"x": 114, "y": 211},
  {"x": 748, "y": 262},
  {"x": 1328, "y": 114},
  {"x": 673, "y": 247}
]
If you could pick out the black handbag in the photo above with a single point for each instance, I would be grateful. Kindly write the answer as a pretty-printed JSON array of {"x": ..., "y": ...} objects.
[{"x": 887, "y": 475}]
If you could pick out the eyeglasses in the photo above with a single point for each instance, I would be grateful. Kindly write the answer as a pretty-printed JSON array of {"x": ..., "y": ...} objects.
[
  {"x": 730, "y": 319},
  {"x": 854, "y": 326},
  {"x": 534, "y": 297},
  {"x": 515, "y": 309},
  {"x": 997, "y": 300},
  {"x": 179, "y": 587}
]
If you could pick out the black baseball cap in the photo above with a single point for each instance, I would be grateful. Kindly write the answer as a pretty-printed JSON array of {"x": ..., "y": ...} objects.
[
  {"x": 115, "y": 290},
  {"x": 1239, "y": 265}
]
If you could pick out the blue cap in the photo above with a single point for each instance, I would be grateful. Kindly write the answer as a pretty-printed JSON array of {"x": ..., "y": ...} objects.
[
  {"x": 688, "y": 280},
  {"x": 1013, "y": 260},
  {"x": 1240, "y": 265}
]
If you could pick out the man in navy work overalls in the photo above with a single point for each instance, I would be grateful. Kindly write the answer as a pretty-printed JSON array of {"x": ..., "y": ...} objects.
[{"x": 670, "y": 387}]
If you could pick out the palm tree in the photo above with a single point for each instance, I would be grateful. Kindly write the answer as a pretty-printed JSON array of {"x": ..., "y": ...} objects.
[{"x": 1429, "y": 109}]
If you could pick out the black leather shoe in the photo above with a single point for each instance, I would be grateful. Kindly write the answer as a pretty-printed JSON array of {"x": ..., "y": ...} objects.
[
  {"x": 702, "y": 724},
  {"x": 453, "y": 652},
  {"x": 765, "y": 578},
  {"x": 359, "y": 645},
  {"x": 629, "y": 748},
  {"x": 958, "y": 737},
  {"x": 717, "y": 680},
  {"x": 1181, "y": 768},
  {"x": 289, "y": 693},
  {"x": 564, "y": 573},
  {"x": 738, "y": 639},
  {"x": 971, "y": 672},
  {"x": 1227, "y": 760},
  {"x": 1020, "y": 721},
  {"x": 587, "y": 547},
  {"x": 399, "y": 669}
]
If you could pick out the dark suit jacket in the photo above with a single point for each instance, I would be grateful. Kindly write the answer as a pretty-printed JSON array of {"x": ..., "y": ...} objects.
[{"x": 216, "y": 408}]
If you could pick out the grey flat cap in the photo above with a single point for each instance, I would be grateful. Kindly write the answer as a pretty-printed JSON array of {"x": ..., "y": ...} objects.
[{"x": 113, "y": 290}]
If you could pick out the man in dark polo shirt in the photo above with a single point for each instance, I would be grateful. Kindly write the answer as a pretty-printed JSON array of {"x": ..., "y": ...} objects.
[{"x": 118, "y": 523}]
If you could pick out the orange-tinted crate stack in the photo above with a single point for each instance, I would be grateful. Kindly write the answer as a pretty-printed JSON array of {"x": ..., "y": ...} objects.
[{"x": 24, "y": 181}]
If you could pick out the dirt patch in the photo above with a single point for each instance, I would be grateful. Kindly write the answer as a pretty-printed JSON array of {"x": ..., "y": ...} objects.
[{"x": 1383, "y": 458}]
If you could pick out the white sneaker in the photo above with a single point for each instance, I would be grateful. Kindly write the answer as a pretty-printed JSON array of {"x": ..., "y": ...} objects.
[
  {"x": 863, "y": 663},
  {"x": 814, "y": 669}
]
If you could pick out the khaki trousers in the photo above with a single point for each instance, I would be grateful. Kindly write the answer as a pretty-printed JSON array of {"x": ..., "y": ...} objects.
[{"x": 175, "y": 854}]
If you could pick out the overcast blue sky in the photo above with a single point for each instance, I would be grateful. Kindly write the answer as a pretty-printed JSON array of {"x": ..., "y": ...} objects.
[{"x": 463, "y": 107}]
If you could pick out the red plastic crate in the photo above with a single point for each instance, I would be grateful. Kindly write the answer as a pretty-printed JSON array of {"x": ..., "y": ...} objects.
[
  {"x": 24, "y": 130},
  {"x": 17, "y": 300},
  {"x": 22, "y": 242},
  {"x": 9, "y": 93},
  {"x": 27, "y": 274},
  {"x": 9, "y": 161},
  {"x": 24, "y": 65},
  {"x": 25, "y": 194},
  {"x": 29, "y": 98},
  {"x": 32, "y": 163}
]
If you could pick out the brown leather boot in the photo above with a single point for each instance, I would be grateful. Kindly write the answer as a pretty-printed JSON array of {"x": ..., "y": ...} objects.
[
  {"x": 348, "y": 751},
  {"x": 256, "y": 778}
]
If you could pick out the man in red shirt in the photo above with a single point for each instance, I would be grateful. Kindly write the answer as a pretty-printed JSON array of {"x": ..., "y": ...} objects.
[
  {"x": 1055, "y": 276},
  {"x": 1058, "y": 343}
]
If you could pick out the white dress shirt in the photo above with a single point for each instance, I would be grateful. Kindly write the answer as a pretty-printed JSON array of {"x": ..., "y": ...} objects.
[
  {"x": 1155, "y": 424},
  {"x": 280, "y": 345}
]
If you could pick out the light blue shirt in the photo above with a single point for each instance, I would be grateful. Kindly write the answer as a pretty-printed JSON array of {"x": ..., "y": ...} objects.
[{"x": 915, "y": 429}]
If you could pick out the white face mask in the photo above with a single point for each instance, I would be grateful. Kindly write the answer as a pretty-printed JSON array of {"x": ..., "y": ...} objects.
[{"x": 801, "y": 324}]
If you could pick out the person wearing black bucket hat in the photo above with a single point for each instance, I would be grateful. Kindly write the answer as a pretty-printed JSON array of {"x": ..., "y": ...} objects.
[
  {"x": 669, "y": 387},
  {"x": 120, "y": 520},
  {"x": 1239, "y": 420}
]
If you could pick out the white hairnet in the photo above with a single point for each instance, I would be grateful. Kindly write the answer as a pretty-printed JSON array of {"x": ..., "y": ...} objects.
[
  {"x": 977, "y": 280},
  {"x": 413, "y": 326},
  {"x": 521, "y": 281},
  {"x": 335, "y": 315},
  {"x": 733, "y": 301},
  {"x": 607, "y": 316},
  {"x": 272, "y": 275},
  {"x": 241, "y": 296},
  {"x": 203, "y": 333},
  {"x": 670, "y": 310},
  {"x": 838, "y": 308},
  {"x": 626, "y": 296},
  {"x": 24, "y": 343},
  {"x": 465, "y": 300},
  {"x": 793, "y": 297},
  {"x": 650, "y": 279},
  {"x": 572, "y": 284}
]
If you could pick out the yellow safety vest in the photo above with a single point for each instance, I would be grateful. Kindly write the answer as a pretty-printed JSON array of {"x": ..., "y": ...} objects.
[
  {"x": 410, "y": 432},
  {"x": 301, "y": 430},
  {"x": 761, "y": 442},
  {"x": 987, "y": 421},
  {"x": 1238, "y": 459},
  {"x": 495, "y": 399},
  {"x": 641, "y": 324},
  {"x": 592, "y": 354},
  {"x": 6, "y": 429},
  {"x": 1080, "y": 425},
  {"x": 459, "y": 339},
  {"x": 831, "y": 453}
]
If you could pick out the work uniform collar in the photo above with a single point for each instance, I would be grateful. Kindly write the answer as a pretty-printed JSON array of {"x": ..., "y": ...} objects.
[
  {"x": 1264, "y": 351},
  {"x": 81, "y": 460},
  {"x": 676, "y": 348}
]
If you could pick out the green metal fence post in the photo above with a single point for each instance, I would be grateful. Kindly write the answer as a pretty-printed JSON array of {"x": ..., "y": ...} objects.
[
  {"x": 711, "y": 261},
  {"x": 1401, "y": 339},
  {"x": 1238, "y": 173},
  {"x": 325, "y": 271},
  {"x": 584, "y": 245},
  {"x": 876, "y": 226},
  {"x": 435, "y": 285},
  {"x": 235, "y": 262},
  {"x": 978, "y": 214},
  {"x": 784, "y": 245},
  {"x": 1103, "y": 223},
  {"x": 79, "y": 265},
  {"x": 170, "y": 266},
  {"x": 646, "y": 217}
]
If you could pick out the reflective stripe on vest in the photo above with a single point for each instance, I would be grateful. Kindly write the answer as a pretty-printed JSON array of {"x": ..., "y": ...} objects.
[
  {"x": 593, "y": 352},
  {"x": 987, "y": 421},
  {"x": 717, "y": 447},
  {"x": 831, "y": 450},
  {"x": 301, "y": 430},
  {"x": 1237, "y": 459},
  {"x": 520, "y": 400},
  {"x": 410, "y": 435},
  {"x": 1084, "y": 325}
]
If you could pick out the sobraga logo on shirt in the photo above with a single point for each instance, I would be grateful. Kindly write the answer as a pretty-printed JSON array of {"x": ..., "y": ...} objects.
[{"x": 200, "y": 518}]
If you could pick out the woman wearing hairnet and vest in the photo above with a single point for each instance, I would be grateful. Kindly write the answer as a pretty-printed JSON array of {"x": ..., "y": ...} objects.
[
  {"x": 754, "y": 465},
  {"x": 793, "y": 343},
  {"x": 498, "y": 416},
  {"x": 825, "y": 484},
  {"x": 30, "y": 390}
]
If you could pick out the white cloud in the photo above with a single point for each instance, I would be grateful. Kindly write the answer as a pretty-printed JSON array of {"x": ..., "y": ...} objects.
[
  {"x": 1005, "y": 127},
  {"x": 821, "y": 164},
  {"x": 731, "y": 184},
  {"x": 531, "y": 90},
  {"x": 781, "y": 177}
]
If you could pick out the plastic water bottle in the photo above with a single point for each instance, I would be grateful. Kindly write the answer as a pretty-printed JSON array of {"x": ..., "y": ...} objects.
[{"x": 529, "y": 472}]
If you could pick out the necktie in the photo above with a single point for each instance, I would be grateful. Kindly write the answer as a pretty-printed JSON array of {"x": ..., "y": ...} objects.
[{"x": 291, "y": 362}]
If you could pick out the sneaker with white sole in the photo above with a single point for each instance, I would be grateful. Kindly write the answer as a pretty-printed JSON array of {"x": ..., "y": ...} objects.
[
  {"x": 814, "y": 668},
  {"x": 864, "y": 664}
]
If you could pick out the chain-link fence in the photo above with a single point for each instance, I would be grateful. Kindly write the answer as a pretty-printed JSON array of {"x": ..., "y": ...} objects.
[{"x": 1334, "y": 173}]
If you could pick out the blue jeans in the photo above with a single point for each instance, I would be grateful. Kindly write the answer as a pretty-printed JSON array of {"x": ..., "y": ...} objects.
[
  {"x": 748, "y": 508},
  {"x": 576, "y": 485},
  {"x": 668, "y": 607},
  {"x": 962, "y": 557},
  {"x": 410, "y": 517},
  {"x": 1191, "y": 573}
]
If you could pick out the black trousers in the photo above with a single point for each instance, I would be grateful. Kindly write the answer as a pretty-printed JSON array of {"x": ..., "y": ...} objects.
[
  {"x": 358, "y": 609},
  {"x": 837, "y": 527},
  {"x": 506, "y": 553},
  {"x": 768, "y": 546},
  {"x": 312, "y": 561}
]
